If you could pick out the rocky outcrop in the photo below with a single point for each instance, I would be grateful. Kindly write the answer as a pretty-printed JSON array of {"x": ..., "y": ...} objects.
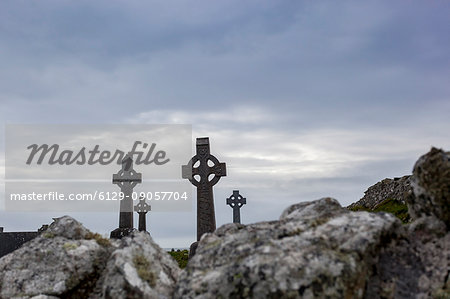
[
  {"x": 53, "y": 263},
  {"x": 431, "y": 184},
  {"x": 139, "y": 269},
  {"x": 415, "y": 264},
  {"x": 69, "y": 261},
  {"x": 397, "y": 189},
  {"x": 316, "y": 249}
]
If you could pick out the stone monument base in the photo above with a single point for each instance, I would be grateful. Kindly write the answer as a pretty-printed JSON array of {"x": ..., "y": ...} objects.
[
  {"x": 192, "y": 249},
  {"x": 119, "y": 233}
]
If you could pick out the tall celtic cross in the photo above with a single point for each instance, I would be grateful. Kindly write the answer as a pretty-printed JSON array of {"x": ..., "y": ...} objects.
[
  {"x": 236, "y": 201},
  {"x": 127, "y": 178},
  {"x": 142, "y": 208},
  {"x": 204, "y": 176}
]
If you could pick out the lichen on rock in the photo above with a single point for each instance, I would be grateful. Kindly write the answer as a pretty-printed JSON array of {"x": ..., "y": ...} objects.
[
  {"x": 139, "y": 268},
  {"x": 55, "y": 266},
  {"x": 69, "y": 261},
  {"x": 293, "y": 257}
]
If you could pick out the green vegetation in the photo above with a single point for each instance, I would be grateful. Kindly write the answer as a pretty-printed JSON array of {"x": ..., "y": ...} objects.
[
  {"x": 48, "y": 235},
  {"x": 70, "y": 246},
  {"x": 181, "y": 256},
  {"x": 143, "y": 267},
  {"x": 97, "y": 237},
  {"x": 441, "y": 294},
  {"x": 359, "y": 208},
  {"x": 392, "y": 206}
]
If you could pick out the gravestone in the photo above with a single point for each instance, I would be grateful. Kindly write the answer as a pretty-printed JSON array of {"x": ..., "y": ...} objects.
[
  {"x": 200, "y": 176},
  {"x": 236, "y": 201},
  {"x": 142, "y": 208},
  {"x": 127, "y": 178}
]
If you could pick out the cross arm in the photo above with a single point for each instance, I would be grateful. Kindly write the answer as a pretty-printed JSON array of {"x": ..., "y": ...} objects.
[
  {"x": 186, "y": 171},
  {"x": 127, "y": 177},
  {"x": 219, "y": 170}
]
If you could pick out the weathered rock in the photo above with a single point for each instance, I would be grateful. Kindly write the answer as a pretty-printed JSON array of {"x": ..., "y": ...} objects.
[
  {"x": 68, "y": 228},
  {"x": 140, "y": 269},
  {"x": 316, "y": 249},
  {"x": 69, "y": 261},
  {"x": 431, "y": 185},
  {"x": 415, "y": 264},
  {"x": 312, "y": 210},
  {"x": 398, "y": 189},
  {"x": 53, "y": 264}
]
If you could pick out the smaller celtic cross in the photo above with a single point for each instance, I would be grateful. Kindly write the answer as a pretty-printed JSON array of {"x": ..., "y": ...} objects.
[
  {"x": 127, "y": 178},
  {"x": 142, "y": 208},
  {"x": 236, "y": 201}
]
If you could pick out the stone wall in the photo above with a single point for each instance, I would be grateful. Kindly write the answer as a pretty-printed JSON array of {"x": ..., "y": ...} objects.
[
  {"x": 12, "y": 240},
  {"x": 398, "y": 189}
]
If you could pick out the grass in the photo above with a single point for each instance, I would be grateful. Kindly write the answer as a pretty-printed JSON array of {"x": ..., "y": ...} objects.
[
  {"x": 394, "y": 207},
  {"x": 389, "y": 205},
  {"x": 359, "y": 208},
  {"x": 180, "y": 256}
]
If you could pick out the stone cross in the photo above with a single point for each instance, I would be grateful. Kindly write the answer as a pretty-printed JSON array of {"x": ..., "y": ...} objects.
[
  {"x": 142, "y": 208},
  {"x": 199, "y": 176},
  {"x": 236, "y": 201},
  {"x": 127, "y": 178}
]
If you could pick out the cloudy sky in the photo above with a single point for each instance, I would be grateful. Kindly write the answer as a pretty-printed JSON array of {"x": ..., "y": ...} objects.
[{"x": 301, "y": 99}]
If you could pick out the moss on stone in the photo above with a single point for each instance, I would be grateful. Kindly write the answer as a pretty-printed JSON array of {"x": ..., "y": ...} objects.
[
  {"x": 142, "y": 266},
  {"x": 213, "y": 244},
  {"x": 98, "y": 238},
  {"x": 441, "y": 294},
  {"x": 48, "y": 235},
  {"x": 71, "y": 282},
  {"x": 237, "y": 276},
  {"x": 70, "y": 246}
]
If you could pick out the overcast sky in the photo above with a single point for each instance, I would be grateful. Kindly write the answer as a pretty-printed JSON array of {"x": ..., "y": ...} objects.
[{"x": 301, "y": 99}]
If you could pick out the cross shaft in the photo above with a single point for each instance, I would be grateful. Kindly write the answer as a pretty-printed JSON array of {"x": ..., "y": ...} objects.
[
  {"x": 142, "y": 208},
  {"x": 127, "y": 178}
]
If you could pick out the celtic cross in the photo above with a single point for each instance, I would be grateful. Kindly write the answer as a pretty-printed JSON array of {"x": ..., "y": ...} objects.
[
  {"x": 142, "y": 208},
  {"x": 236, "y": 201},
  {"x": 127, "y": 178},
  {"x": 204, "y": 171}
]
